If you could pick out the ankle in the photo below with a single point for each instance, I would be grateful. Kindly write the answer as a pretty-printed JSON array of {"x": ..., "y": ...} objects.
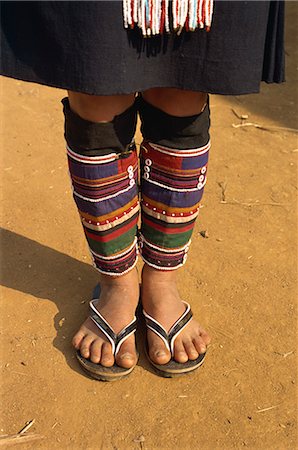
[
  {"x": 159, "y": 291},
  {"x": 149, "y": 274},
  {"x": 128, "y": 279}
]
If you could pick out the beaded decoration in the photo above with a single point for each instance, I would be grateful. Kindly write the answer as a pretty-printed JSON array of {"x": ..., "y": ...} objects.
[{"x": 154, "y": 17}]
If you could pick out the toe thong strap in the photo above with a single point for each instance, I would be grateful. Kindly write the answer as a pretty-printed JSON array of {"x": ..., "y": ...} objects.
[
  {"x": 169, "y": 337},
  {"x": 115, "y": 339}
]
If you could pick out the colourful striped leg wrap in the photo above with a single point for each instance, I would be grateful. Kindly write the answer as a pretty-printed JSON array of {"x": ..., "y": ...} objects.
[
  {"x": 106, "y": 194},
  {"x": 174, "y": 159},
  {"x": 172, "y": 187}
]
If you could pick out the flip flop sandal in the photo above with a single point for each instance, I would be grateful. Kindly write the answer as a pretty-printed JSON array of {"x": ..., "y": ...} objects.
[
  {"x": 98, "y": 371},
  {"x": 172, "y": 368}
]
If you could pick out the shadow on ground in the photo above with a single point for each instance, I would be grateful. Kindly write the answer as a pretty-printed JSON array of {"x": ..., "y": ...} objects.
[{"x": 48, "y": 274}]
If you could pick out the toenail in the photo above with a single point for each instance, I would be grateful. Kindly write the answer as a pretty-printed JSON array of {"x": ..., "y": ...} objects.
[
  {"x": 126, "y": 356},
  {"x": 203, "y": 349},
  {"x": 106, "y": 361},
  {"x": 160, "y": 353}
]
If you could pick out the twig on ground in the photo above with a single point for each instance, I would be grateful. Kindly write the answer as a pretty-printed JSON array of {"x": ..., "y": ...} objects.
[
  {"x": 265, "y": 128},
  {"x": 140, "y": 440},
  {"x": 256, "y": 203},
  {"x": 18, "y": 373},
  {"x": 21, "y": 436},
  {"x": 13, "y": 439},
  {"x": 266, "y": 409},
  {"x": 223, "y": 187},
  {"x": 241, "y": 117},
  {"x": 285, "y": 355},
  {"x": 27, "y": 426},
  {"x": 288, "y": 354}
]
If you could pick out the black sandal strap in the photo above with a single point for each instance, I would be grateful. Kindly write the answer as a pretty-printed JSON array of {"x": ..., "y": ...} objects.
[
  {"x": 181, "y": 323},
  {"x": 115, "y": 339},
  {"x": 159, "y": 330}
]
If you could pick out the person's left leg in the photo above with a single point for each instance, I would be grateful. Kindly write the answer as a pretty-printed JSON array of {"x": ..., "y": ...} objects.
[{"x": 174, "y": 156}]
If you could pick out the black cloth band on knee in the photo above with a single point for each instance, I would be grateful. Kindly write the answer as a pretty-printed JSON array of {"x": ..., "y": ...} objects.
[
  {"x": 102, "y": 138},
  {"x": 172, "y": 131}
]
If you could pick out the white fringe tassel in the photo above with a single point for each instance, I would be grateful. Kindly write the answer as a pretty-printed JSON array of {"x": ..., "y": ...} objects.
[{"x": 153, "y": 16}]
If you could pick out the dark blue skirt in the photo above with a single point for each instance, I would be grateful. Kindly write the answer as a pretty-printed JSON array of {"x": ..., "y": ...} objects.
[{"x": 83, "y": 46}]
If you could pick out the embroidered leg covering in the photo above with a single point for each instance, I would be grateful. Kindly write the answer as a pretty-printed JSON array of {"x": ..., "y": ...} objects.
[
  {"x": 103, "y": 168},
  {"x": 174, "y": 157}
]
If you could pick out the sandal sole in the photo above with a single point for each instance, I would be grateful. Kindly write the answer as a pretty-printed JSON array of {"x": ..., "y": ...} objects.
[
  {"x": 173, "y": 369},
  {"x": 101, "y": 373}
]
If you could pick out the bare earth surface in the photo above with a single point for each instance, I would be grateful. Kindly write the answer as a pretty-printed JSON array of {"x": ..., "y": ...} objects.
[{"x": 241, "y": 282}]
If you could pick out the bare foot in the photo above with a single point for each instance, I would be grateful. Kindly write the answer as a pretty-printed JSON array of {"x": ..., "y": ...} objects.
[
  {"x": 161, "y": 300},
  {"x": 118, "y": 301}
]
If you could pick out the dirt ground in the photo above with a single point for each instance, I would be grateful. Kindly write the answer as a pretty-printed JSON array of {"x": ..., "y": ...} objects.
[{"x": 241, "y": 282}]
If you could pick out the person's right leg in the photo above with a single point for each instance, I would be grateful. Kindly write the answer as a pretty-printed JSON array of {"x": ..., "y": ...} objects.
[{"x": 103, "y": 169}]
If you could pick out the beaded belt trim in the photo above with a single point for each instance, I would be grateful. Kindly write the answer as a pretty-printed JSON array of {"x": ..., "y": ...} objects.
[{"x": 154, "y": 17}]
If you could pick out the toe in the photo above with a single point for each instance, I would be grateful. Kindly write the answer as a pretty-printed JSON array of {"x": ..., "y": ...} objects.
[
  {"x": 107, "y": 358},
  {"x": 158, "y": 353},
  {"x": 191, "y": 351},
  {"x": 96, "y": 351},
  {"x": 205, "y": 336},
  {"x": 85, "y": 346},
  {"x": 77, "y": 339},
  {"x": 180, "y": 354},
  {"x": 200, "y": 345},
  {"x": 127, "y": 355}
]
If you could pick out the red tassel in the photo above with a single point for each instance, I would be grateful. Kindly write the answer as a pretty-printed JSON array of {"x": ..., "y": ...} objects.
[
  {"x": 151, "y": 9},
  {"x": 187, "y": 23},
  {"x": 163, "y": 16}
]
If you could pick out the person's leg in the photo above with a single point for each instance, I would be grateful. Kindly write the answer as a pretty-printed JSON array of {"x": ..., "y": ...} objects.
[
  {"x": 174, "y": 156},
  {"x": 103, "y": 168}
]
